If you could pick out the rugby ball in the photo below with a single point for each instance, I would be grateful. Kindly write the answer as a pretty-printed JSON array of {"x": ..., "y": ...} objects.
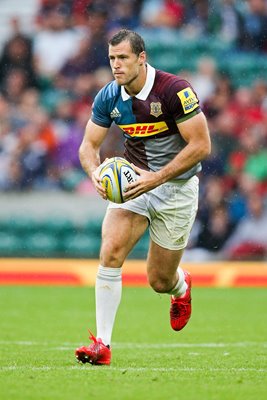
[{"x": 116, "y": 173}]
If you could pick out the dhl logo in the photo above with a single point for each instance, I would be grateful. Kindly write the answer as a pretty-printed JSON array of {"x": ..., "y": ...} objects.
[{"x": 146, "y": 129}]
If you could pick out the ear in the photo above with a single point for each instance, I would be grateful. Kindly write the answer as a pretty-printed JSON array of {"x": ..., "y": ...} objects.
[{"x": 142, "y": 58}]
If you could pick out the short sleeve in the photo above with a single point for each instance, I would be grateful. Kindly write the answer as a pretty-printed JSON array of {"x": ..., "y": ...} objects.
[
  {"x": 183, "y": 101},
  {"x": 100, "y": 115}
]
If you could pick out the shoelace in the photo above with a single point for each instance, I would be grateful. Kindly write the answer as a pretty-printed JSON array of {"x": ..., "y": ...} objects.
[{"x": 94, "y": 339}]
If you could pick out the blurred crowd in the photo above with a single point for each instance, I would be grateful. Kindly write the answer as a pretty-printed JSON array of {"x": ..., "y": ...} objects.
[{"x": 48, "y": 80}]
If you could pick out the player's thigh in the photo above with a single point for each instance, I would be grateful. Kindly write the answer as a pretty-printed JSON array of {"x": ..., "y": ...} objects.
[
  {"x": 175, "y": 207},
  {"x": 162, "y": 266},
  {"x": 121, "y": 229}
]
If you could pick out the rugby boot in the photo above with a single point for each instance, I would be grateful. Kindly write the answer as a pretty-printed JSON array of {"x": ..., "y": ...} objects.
[
  {"x": 97, "y": 353},
  {"x": 180, "y": 310}
]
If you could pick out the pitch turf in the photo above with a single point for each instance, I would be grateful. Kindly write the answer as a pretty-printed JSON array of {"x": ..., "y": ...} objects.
[{"x": 221, "y": 354}]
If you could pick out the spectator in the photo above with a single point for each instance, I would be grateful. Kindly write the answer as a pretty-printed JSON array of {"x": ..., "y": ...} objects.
[
  {"x": 221, "y": 97},
  {"x": 33, "y": 158},
  {"x": 241, "y": 189},
  {"x": 246, "y": 109},
  {"x": 14, "y": 85},
  {"x": 230, "y": 20},
  {"x": 44, "y": 130},
  {"x": 79, "y": 13},
  {"x": 17, "y": 55},
  {"x": 253, "y": 30},
  {"x": 212, "y": 198},
  {"x": 100, "y": 78},
  {"x": 4, "y": 108},
  {"x": 82, "y": 89},
  {"x": 204, "y": 79},
  {"x": 28, "y": 103},
  {"x": 8, "y": 143},
  {"x": 251, "y": 155},
  {"x": 256, "y": 162},
  {"x": 63, "y": 117},
  {"x": 81, "y": 62},
  {"x": 67, "y": 150},
  {"x": 124, "y": 13},
  {"x": 203, "y": 18},
  {"x": 55, "y": 43},
  {"x": 259, "y": 95},
  {"x": 35, "y": 148},
  {"x": 168, "y": 14},
  {"x": 212, "y": 236},
  {"x": 224, "y": 137},
  {"x": 98, "y": 30},
  {"x": 249, "y": 240}
]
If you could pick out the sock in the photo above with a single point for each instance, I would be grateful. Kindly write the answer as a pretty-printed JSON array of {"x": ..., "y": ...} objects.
[
  {"x": 108, "y": 290},
  {"x": 181, "y": 286}
]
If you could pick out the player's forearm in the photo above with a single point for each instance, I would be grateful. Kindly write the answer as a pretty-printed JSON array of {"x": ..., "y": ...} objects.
[
  {"x": 89, "y": 158},
  {"x": 185, "y": 160}
]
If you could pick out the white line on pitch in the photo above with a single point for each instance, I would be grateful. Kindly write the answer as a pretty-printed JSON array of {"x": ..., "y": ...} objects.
[
  {"x": 66, "y": 346},
  {"x": 128, "y": 369}
]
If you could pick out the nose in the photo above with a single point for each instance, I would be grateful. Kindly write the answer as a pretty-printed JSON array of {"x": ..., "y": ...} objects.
[{"x": 116, "y": 64}]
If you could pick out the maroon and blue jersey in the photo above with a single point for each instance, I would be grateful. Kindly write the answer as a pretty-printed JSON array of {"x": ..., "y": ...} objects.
[{"x": 149, "y": 119}]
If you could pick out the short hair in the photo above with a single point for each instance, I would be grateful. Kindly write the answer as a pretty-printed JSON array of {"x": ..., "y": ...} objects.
[{"x": 136, "y": 41}]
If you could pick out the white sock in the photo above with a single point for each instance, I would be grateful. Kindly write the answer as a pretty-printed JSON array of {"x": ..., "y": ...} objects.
[
  {"x": 181, "y": 286},
  {"x": 108, "y": 290}
]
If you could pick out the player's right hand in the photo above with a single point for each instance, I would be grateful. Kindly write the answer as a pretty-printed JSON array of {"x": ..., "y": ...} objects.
[{"x": 97, "y": 181}]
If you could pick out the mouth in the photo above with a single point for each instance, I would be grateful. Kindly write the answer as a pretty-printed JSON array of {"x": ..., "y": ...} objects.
[{"x": 118, "y": 74}]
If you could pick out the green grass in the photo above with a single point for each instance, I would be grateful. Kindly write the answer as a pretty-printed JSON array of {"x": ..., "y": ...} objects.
[{"x": 221, "y": 354}]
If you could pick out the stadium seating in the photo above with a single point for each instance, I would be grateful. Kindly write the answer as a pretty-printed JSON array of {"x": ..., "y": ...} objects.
[
  {"x": 10, "y": 245},
  {"x": 179, "y": 54},
  {"x": 56, "y": 237},
  {"x": 81, "y": 245},
  {"x": 40, "y": 245}
]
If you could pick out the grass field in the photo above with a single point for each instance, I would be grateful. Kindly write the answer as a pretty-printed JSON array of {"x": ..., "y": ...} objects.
[{"x": 221, "y": 354}]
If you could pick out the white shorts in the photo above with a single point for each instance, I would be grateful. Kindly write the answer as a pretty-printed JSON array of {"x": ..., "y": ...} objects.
[{"x": 171, "y": 210}]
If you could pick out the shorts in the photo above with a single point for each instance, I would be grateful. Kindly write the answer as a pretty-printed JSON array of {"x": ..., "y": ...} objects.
[{"x": 171, "y": 210}]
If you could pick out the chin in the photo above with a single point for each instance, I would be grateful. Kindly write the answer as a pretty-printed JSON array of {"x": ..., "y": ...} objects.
[{"x": 120, "y": 81}]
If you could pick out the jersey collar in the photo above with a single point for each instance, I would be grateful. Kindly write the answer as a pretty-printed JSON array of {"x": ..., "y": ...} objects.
[{"x": 143, "y": 94}]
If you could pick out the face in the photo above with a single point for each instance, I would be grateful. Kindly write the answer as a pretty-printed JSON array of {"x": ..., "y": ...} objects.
[{"x": 125, "y": 65}]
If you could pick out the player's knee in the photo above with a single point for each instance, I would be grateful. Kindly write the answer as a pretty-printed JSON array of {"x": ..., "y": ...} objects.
[
  {"x": 111, "y": 254},
  {"x": 160, "y": 284}
]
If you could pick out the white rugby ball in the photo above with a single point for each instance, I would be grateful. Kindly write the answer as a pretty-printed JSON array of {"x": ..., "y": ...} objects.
[{"x": 116, "y": 173}]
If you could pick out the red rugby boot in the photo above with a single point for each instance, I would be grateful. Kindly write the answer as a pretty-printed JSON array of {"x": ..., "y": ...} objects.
[
  {"x": 96, "y": 353},
  {"x": 180, "y": 310}
]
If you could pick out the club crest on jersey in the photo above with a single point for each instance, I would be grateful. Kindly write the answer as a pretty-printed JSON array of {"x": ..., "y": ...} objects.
[
  {"x": 155, "y": 109},
  {"x": 188, "y": 99}
]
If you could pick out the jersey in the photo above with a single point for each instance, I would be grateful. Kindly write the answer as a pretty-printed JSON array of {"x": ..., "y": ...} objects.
[{"x": 149, "y": 120}]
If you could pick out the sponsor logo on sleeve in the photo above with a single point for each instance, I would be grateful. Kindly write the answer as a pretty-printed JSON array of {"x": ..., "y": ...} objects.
[{"x": 188, "y": 99}]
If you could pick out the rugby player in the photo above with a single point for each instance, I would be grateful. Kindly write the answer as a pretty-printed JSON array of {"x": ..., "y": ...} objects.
[{"x": 166, "y": 137}]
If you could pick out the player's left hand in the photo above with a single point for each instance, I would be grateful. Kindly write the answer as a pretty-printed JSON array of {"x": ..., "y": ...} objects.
[{"x": 146, "y": 181}]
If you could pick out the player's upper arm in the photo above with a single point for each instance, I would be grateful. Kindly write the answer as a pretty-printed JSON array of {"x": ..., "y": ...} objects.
[
  {"x": 94, "y": 135},
  {"x": 195, "y": 131}
]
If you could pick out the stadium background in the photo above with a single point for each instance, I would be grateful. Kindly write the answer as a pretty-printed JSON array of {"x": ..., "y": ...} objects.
[
  {"x": 50, "y": 216},
  {"x": 52, "y": 62}
]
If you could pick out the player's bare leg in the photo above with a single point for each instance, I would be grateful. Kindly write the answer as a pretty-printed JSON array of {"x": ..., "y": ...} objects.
[
  {"x": 165, "y": 276},
  {"x": 121, "y": 230}
]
